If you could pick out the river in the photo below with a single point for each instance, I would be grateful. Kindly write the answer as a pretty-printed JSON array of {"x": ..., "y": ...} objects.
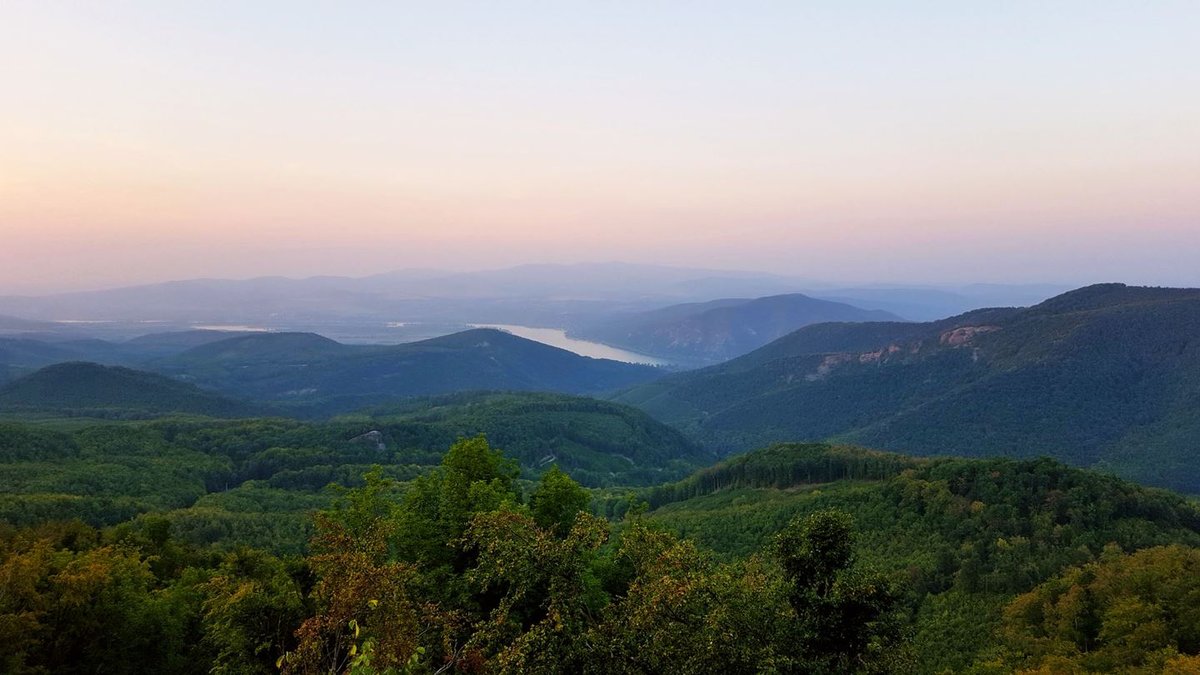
[{"x": 558, "y": 338}]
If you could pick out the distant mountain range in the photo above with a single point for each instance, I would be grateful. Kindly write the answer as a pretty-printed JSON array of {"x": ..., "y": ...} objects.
[
  {"x": 555, "y": 296},
  {"x": 718, "y": 330},
  {"x": 80, "y": 388},
  {"x": 1105, "y": 376}
]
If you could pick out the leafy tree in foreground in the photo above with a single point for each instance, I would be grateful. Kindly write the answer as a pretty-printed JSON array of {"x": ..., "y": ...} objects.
[
  {"x": 252, "y": 607},
  {"x": 685, "y": 613},
  {"x": 549, "y": 594},
  {"x": 360, "y": 586}
]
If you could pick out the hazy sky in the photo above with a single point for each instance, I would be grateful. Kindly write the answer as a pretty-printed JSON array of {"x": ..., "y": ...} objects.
[{"x": 855, "y": 141}]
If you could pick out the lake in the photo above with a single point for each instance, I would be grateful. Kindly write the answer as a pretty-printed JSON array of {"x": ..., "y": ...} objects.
[{"x": 558, "y": 338}]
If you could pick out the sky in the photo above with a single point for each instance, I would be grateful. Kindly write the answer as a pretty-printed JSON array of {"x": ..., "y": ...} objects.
[{"x": 859, "y": 141}]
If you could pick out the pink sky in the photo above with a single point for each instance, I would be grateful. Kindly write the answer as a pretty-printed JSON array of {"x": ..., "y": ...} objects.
[{"x": 151, "y": 141}]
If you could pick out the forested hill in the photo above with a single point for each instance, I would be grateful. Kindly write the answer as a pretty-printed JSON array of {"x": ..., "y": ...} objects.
[
  {"x": 598, "y": 442},
  {"x": 311, "y": 372},
  {"x": 273, "y": 347},
  {"x": 966, "y": 535},
  {"x": 710, "y": 332},
  {"x": 81, "y": 388},
  {"x": 252, "y": 481},
  {"x": 1105, "y": 376}
]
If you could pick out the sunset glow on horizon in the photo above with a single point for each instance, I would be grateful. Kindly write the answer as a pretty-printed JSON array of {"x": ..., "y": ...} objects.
[{"x": 145, "y": 141}]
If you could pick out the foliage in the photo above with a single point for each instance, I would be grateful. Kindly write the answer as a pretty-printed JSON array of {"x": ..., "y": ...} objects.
[
  {"x": 964, "y": 536},
  {"x": 252, "y": 604},
  {"x": 358, "y": 587},
  {"x": 598, "y": 442},
  {"x": 556, "y": 501},
  {"x": 133, "y": 600},
  {"x": 253, "y": 482},
  {"x": 842, "y": 614},
  {"x": 798, "y": 558},
  {"x": 1130, "y": 613},
  {"x": 458, "y": 571}
]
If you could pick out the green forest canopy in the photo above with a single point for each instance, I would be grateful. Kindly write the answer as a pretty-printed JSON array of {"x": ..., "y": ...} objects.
[{"x": 800, "y": 558}]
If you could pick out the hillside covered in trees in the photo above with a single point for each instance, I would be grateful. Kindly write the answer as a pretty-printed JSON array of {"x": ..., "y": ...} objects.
[
  {"x": 254, "y": 480},
  {"x": 1103, "y": 376},
  {"x": 963, "y": 535}
]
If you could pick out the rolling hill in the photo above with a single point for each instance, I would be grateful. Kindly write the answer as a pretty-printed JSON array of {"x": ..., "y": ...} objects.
[
  {"x": 23, "y": 355},
  {"x": 710, "y": 332},
  {"x": 597, "y": 442},
  {"x": 82, "y": 388},
  {"x": 1105, "y": 376},
  {"x": 173, "y": 342},
  {"x": 313, "y": 372},
  {"x": 31, "y": 354}
]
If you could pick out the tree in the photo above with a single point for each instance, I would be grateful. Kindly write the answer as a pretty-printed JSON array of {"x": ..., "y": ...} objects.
[
  {"x": 360, "y": 586},
  {"x": 557, "y": 500},
  {"x": 548, "y": 592},
  {"x": 845, "y": 617},
  {"x": 252, "y": 606},
  {"x": 438, "y": 507}
]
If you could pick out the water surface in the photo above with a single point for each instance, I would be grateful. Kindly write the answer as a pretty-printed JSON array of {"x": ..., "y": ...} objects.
[{"x": 558, "y": 338}]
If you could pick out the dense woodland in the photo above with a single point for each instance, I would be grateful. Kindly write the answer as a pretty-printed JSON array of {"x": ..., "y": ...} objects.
[
  {"x": 253, "y": 481},
  {"x": 797, "y": 558},
  {"x": 460, "y": 570}
]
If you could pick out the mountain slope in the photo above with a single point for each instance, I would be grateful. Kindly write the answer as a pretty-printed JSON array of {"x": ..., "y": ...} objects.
[
  {"x": 77, "y": 387},
  {"x": 309, "y": 370},
  {"x": 722, "y": 329},
  {"x": 1106, "y": 376}
]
